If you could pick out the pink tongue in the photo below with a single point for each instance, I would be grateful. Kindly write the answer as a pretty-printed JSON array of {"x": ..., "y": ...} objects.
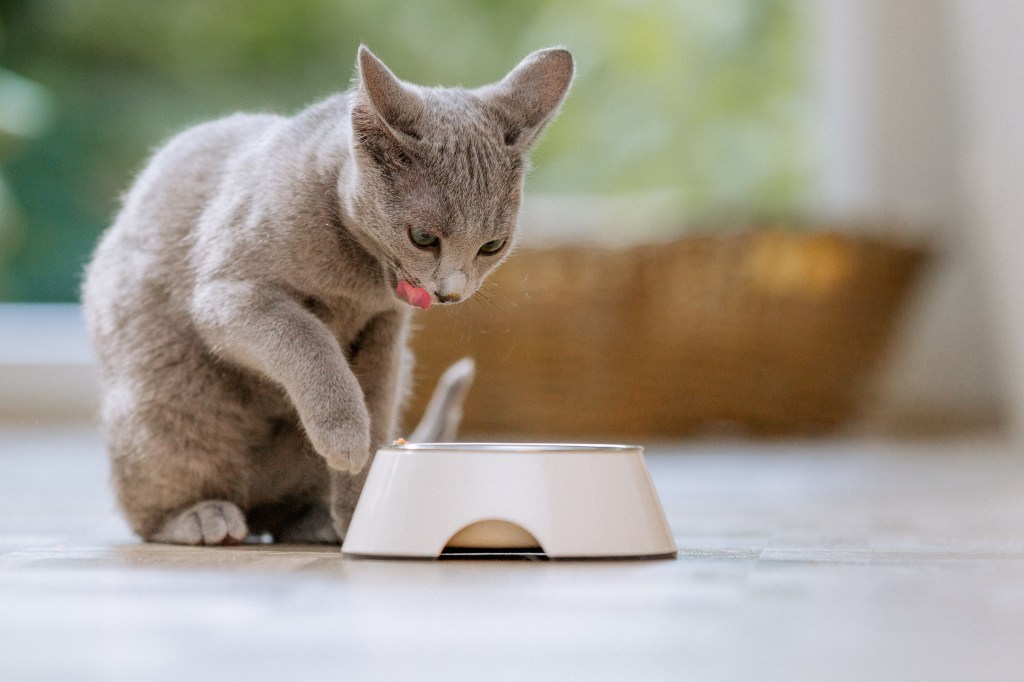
[{"x": 416, "y": 296}]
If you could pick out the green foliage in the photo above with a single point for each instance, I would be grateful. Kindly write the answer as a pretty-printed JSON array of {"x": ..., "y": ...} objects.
[{"x": 702, "y": 97}]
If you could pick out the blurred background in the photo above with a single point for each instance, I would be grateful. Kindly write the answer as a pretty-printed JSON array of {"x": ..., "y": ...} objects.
[
  {"x": 759, "y": 216},
  {"x": 702, "y": 102}
]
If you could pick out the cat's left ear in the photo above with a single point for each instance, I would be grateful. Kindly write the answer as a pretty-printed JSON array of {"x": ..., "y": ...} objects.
[{"x": 530, "y": 96}]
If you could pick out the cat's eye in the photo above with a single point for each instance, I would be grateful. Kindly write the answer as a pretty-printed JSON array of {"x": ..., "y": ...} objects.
[
  {"x": 422, "y": 238},
  {"x": 493, "y": 246}
]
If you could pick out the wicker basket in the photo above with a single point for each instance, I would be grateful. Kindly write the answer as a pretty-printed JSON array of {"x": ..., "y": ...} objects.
[{"x": 773, "y": 331}]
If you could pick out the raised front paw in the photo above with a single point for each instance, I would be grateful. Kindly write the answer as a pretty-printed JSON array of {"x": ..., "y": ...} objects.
[
  {"x": 210, "y": 522},
  {"x": 345, "y": 445}
]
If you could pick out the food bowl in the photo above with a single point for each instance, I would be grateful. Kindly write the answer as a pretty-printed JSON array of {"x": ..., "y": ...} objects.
[{"x": 565, "y": 501}]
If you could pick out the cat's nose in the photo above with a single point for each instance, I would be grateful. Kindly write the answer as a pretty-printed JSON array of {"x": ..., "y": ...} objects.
[
  {"x": 447, "y": 298},
  {"x": 450, "y": 287}
]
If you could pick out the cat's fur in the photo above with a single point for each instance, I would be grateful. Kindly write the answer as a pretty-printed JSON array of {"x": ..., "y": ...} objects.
[{"x": 243, "y": 306}]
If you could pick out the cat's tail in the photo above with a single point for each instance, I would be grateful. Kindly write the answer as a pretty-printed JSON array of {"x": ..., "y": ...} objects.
[{"x": 440, "y": 421}]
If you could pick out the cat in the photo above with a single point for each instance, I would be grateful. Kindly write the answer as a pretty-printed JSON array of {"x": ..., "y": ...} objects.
[{"x": 249, "y": 305}]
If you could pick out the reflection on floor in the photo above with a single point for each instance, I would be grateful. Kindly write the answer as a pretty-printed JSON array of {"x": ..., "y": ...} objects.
[{"x": 811, "y": 560}]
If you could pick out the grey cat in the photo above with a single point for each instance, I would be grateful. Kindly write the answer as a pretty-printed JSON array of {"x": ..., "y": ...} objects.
[{"x": 250, "y": 304}]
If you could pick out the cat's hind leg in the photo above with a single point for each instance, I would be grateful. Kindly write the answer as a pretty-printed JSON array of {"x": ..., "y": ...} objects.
[
  {"x": 180, "y": 431},
  {"x": 210, "y": 522},
  {"x": 314, "y": 527},
  {"x": 297, "y": 521},
  {"x": 181, "y": 475},
  {"x": 288, "y": 492}
]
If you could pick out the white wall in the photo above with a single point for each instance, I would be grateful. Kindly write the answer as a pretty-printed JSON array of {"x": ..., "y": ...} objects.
[
  {"x": 890, "y": 114},
  {"x": 989, "y": 44}
]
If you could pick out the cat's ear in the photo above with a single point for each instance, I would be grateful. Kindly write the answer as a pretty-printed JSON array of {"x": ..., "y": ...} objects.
[
  {"x": 386, "y": 111},
  {"x": 529, "y": 96}
]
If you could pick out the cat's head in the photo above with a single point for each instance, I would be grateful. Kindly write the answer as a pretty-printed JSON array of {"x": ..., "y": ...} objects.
[{"x": 435, "y": 186}]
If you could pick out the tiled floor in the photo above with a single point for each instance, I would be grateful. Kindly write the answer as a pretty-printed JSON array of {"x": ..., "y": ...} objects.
[{"x": 817, "y": 561}]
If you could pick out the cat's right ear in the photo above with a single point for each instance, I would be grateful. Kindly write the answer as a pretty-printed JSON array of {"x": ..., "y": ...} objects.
[{"x": 386, "y": 112}]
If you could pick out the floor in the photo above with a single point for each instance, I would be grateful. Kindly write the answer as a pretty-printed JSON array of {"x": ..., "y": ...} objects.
[{"x": 837, "y": 560}]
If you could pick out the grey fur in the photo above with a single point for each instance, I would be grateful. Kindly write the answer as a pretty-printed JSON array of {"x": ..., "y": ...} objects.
[{"x": 243, "y": 307}]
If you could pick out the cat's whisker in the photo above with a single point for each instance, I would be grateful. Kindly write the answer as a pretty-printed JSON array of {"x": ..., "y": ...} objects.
[
  {"x": 494, "y": 312},
  {"x": 496, "y": 298}
]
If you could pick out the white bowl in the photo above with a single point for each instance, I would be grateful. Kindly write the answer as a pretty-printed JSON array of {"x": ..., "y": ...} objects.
[{"x": 567, "y": 501}]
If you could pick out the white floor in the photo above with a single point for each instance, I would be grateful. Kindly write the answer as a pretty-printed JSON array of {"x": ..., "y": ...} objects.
[{"x": 812, "y": 561}]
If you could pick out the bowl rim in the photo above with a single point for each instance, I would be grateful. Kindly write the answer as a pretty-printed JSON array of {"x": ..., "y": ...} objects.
[{"x": 516, "y": 448}]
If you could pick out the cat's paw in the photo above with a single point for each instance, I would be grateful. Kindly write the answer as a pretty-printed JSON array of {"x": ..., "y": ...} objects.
[
  {"x": 211, "y": 522},
  {"x": 345, "y": 447},
  {"x": 314, "y": 527}
]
